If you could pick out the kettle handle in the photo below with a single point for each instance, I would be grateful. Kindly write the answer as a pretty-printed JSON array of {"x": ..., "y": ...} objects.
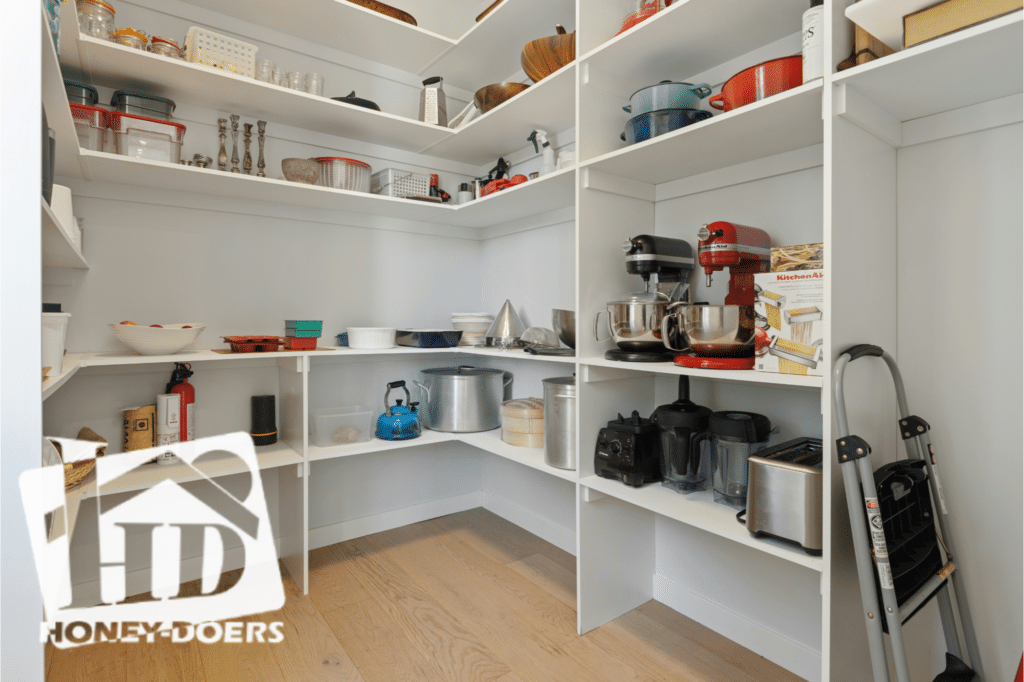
[{"x": 387, "y": 395}]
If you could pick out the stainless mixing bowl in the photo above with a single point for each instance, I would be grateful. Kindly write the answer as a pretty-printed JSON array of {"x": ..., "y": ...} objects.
[
  {"x": 635, "y": 323},
  {"x": 564, "y": 324},
  {"x": 713, "y": 330}
]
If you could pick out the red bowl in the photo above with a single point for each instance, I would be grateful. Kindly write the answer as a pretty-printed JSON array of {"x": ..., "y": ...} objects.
[{"x": 760, "y": 82}]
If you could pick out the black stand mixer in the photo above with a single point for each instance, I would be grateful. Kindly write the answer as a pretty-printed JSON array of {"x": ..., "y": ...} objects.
[{"x": 635, "y": 321}]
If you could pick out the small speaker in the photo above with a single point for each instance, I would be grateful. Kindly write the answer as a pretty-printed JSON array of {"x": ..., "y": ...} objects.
[{"x": 264, "y": 420}]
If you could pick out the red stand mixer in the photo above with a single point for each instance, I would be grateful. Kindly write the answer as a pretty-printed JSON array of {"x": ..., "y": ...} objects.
[{"x": 722, "y": 337}]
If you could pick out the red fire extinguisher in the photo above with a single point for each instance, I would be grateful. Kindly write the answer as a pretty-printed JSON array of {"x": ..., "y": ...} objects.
[{"x": 187, "y": 392}]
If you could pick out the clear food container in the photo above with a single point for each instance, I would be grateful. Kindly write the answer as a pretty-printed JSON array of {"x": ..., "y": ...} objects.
[
  {"x": 341, "y": 173},
  {"x": 91, "y": 124},
  {"x": 96, "y": 19},
  {"x": 146, "y": 138},
  {"x": 129, "y": 37},
  {"x": 341, "y": 426},
  {"x": 165, "y": 47}
]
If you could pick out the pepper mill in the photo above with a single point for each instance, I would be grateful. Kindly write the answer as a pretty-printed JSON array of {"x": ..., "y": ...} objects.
[
  {"x": 222, "y": 157},
  {"x": 262, "y": 127},
  {"x": 247, "y": 165},
  {"x": 234, "y": 143}
]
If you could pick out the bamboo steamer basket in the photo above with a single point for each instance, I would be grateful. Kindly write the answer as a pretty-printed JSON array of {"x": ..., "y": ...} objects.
[
  {"x": 522, "y": 422},
  {"x": 544, "y": 56}
]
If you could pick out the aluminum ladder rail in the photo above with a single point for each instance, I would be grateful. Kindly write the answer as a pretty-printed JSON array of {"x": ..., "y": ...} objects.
[{"x": 858, "y": 479}]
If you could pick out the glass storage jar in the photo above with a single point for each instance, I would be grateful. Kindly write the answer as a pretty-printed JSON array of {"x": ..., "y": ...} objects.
[
  {"x": 165, "y": 47},
  {"x": 96, "y": 19},
  {"x": 129, "y": 37}
]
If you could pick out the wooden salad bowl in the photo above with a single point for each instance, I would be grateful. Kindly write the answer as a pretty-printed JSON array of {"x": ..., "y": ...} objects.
[{"x": 544, "y": 56}]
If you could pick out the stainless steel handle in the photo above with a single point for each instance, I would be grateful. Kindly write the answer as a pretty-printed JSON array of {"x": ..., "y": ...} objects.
[
  {"x": 665, "y": 335},
  {"x": 423, "y": 388},
  {"x": 597, "y": 321}
]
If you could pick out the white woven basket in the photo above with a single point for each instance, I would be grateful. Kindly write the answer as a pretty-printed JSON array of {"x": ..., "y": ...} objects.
[
  {"x": 397, "y": 183},
  {"x": 220, "y": 52}
]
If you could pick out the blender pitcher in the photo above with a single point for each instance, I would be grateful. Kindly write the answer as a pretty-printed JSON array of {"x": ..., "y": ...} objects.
[
  {"x": 685, "y": 442},
  {"x": 734, "y": 437}
]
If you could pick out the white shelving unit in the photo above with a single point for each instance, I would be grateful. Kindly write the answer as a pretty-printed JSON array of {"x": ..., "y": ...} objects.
[
  {"x": 822, "y": 162},
  {"x": 58, "y": 249}
]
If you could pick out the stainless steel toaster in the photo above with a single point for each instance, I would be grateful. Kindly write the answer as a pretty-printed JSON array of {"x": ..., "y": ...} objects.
[{"x": 784, "y": 492}]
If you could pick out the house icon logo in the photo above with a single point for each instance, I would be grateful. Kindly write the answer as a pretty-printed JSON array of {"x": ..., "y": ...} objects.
[{"x": 151, "y": 515}]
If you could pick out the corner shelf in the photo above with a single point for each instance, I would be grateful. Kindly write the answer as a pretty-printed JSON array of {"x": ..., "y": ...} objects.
[
  {"x": 490, "y": 441},
  {"x": 58, "y": 250},
  {"x": 788, "y": 121},
  {"x": 700, "y": 511},
  {"x": 72, "y": 363},
  {"x": 428, "y": 437},
  {"x": 687, "y": 38},
  {"x": 741, "y": 375},
  {"x": 914, "y": 83}
]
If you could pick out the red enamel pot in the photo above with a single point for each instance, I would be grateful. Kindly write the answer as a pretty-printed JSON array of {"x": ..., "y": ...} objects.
[{"x": 760, "y": 82}]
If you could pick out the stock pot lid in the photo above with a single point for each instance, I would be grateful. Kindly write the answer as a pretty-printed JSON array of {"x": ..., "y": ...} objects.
[{"x": 463, "y": 371}]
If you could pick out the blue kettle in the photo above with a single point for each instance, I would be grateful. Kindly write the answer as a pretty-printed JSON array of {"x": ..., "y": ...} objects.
[{"x": 400, "y": 422}]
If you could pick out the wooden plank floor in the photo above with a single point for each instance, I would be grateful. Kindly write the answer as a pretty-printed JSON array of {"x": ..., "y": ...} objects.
[{"x": 467, "y": 597}]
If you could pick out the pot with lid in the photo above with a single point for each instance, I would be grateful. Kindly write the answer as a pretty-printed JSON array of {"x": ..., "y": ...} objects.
[
  {"x": 667, "y": 95},
  {"x": 463, "y": 399}
]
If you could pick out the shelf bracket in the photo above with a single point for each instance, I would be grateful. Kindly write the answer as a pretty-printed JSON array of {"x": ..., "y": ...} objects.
[
  {"x": 613, "y": 184},
  {"x": 593, "y": 374},
  {"x": 862, "y": 112},
  {"x": 591, "y": 495}
]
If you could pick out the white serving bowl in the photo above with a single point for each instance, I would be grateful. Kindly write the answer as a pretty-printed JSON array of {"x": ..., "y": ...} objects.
[
  {"x": 472, "y": 327},
  {"x": 371, "y": 338},
  {"x": 165, "y": 340}
]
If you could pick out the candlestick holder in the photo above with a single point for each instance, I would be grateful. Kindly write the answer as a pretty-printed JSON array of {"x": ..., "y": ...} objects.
[
  {"x": 262, "y": 127},
  {"x": 234, "y": 144}
]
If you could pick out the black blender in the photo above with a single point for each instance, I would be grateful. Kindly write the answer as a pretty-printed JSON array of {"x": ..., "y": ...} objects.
[
  {"x": 735, "y": 436},
  {"x": 634, "y": 321},
  {"x": 685, "y": 442}
]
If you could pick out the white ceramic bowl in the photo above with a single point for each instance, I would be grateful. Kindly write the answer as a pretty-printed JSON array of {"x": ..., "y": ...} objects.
[
  {"x": 165, "y": 340},
  {"x": 371, "y": 338},
  {"x": 472, "y": 327}
]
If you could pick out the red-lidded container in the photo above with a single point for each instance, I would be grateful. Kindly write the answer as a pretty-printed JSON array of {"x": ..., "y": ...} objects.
[
  {"x": 342, "y": 173},
  {"x": 307, "y": 343},
  {"x": 146, "y": 138},
  {"x": 91, "y": 124},
  {"x": 254, "y": 344}
]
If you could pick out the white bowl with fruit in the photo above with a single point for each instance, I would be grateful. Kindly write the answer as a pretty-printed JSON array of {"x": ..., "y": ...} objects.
[{"x": 157, "y": 339}]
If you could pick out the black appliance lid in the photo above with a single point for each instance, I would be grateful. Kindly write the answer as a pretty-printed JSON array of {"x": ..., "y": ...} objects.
[
  {"x": 682, "y": 413},
  {"x": 634, "y": 424},
  {"x": 745, "y": 426}
]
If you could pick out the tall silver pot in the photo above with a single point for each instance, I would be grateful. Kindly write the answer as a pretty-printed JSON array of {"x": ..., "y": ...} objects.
[{"x": 463, "y": 399}]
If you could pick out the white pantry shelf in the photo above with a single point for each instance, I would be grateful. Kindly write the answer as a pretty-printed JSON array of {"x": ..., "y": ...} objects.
[
  {"x": 549, "y": 105},
  {"x": 58, "y": 250},
  {"x": 534, "y": 197},
  {"x": 111, "y": 65},
  {"x": 516, "y": 354},
  {"x": 788, "y": 121},
  {"x": 145, "y": 173},
  {"x": 491, "y": 442},
  {"x": 72, "y": 363},
  {"x": 487, "y": 53},
  {"x": 700, "y": 511},
  {"x": 55, "y": 102},
  {"x": 742, "y": 375},
  {"x": 428, "y": 437},
  {"x": 693, "y": 36},
  {"x": 988, "y": 59}
]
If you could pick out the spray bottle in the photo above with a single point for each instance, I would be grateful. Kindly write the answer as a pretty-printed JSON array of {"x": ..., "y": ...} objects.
[{"x": 539, "y": 138}]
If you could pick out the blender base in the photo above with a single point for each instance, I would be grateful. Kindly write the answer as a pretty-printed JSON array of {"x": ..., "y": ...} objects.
[
  {"x": 695, "y": 361},
  {"x": 684, "y": 487}
]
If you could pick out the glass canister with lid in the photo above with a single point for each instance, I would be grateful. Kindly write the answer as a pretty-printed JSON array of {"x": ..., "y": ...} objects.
[
  {"x": 96, "y": 19},
  {"x": 129, "y": 37},
  {"x": 165, "y": 47}
]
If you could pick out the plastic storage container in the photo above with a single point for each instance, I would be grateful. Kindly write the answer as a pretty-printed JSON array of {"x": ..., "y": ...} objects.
[
  {"x": 146, "y": 138},
  {"x": 96, "y": 19},
  {"x": 341, "y": 426},
  {"x": 81, "y": 93},
  {"x": 137, "y": 104},
  {"x": 401, "y": 184},
  {"x": 220, "y": 52},
  {"x": 91, "y": 124},
  {"x": 341, "y": 173}
]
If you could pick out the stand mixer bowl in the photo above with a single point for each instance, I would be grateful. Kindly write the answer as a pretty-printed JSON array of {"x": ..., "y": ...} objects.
[
  {"x": 634, "y": 323},
  {"x": 712, "y": 330}
]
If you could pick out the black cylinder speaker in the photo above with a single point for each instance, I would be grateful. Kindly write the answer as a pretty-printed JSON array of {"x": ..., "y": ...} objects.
[{"x": 264, "y": 420}]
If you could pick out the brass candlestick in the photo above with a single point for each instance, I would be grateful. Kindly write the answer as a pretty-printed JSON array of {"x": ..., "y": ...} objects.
[
  {"x": 247, "y": 165},
  {"x": 262, "y": 127},
  {"x": 222, "y": 157},
  {"x": 234, "y": 143}
]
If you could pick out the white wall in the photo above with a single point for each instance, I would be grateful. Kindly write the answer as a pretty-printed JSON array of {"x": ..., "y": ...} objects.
[{"x": 960, "y": 244}]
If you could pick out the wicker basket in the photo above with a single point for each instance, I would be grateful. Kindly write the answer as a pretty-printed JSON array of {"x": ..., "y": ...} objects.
[
  {"x": 395, "y": 183},
  {"x": 220, "y": 52},
  {"x": 75, "y": 472}
]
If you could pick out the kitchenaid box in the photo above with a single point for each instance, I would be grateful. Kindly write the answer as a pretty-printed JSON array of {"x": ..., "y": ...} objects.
[{"x": 790, "y": 307}]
